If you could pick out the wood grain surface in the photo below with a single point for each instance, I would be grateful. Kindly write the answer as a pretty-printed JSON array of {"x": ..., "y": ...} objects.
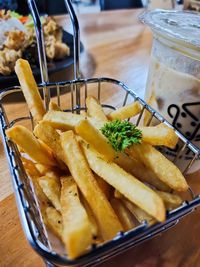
[{"x": 118, "y": 46}]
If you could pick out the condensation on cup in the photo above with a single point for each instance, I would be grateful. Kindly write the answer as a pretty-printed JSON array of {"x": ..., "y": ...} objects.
[{"x": 173, "y": 84}]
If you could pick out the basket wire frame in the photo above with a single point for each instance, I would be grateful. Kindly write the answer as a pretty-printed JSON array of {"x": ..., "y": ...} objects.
[
  {"x": 24, "y": 191},
  {"x": 27, "y": 202}
]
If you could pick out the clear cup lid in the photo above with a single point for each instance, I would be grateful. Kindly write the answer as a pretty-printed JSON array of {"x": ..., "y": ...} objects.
[{"x": 178, "y": 25}]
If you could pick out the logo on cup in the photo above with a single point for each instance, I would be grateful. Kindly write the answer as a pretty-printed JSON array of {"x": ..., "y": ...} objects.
[{"x": 185, "y": 120}]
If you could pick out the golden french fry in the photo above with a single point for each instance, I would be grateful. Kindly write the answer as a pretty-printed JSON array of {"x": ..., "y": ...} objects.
[
  {"x": 140, "y": 171},
  {"x": 164, "y": 169},
  {"x": 67, "y": 121},
  {"x": 125, "y": 112},
  {"x": 49, "y": 136},
  {"x": 62, "y": 120},
  {"x": 107, "y": 220},
  {"x": 76, "y": 235},
  {"x": 123, "y": 214},
  {"x": 29, "y": 89},
  {"x": 42, "y": 198},
  {"x": 94, "y": 109},
  {"x": 54, "y": 106},
  {"x": 93, "y": 223},
  {"x": 51, "y": 188},
  {"x": 30, "y": 167},
  {"x": 29, "y": 143},
  {"x": 53, "y": 174},
  {"x": 105, "y": 187},
  {"x": 94, "y": 137},
  {"x": 139, "y": 214},
  {"x": 171, "y": 200},
  {"x": 34, "y": 174},
  {"x": 117, "y": 194},
  {"x": 20, "y": 149},
  {"x": 160, "y": 135},
  {"x": 53, "y": 220},
  {"x": 43, "y": 169},
  {"x": 126, "y": 184},
  {"x": 49, "y": 171}
]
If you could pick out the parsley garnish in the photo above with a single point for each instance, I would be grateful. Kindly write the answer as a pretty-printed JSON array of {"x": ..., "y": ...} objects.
[{"x": 121, "y": 134}]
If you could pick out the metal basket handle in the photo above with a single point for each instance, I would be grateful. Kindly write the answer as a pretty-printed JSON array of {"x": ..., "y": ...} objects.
[
  {"x": 76, "y": 41},
  {"x": 76, "y": 38},
  {"x": 41, "y": 48}
]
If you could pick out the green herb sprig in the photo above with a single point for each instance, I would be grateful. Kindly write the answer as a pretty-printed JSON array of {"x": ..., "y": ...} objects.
[{"x": 121, "y": 134}]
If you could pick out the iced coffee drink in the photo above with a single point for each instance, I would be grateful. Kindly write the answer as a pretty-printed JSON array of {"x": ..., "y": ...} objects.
[
  {"x": 173, "y": 84},
  {"x": 175, "y": 95}
]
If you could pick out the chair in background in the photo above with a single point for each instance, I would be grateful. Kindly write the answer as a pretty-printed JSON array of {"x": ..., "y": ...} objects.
[
  {"x": 120, "y": 4},
  {"x": 50, "y": 7},
  {"x": 23, "y": 9},
  {"x": 55, "y": 7}
]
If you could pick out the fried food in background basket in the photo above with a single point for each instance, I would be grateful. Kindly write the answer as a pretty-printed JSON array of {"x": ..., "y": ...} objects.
[
  {"x": 17, "y": 40},
  {"x": 87, "y": 170}
]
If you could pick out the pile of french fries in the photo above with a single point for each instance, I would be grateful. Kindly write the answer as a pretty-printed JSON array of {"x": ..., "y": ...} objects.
[{"x": 87, "y": 191}]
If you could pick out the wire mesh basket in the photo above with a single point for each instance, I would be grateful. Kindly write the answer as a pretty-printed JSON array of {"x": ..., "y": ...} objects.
[{"x": 71, "y": 96}]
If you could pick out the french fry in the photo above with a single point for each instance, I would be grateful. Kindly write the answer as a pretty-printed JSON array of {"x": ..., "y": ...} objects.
[
  {"x": 93, "y": 223},
  {"x": 139, "y": 214},
  {"x": 53, "y": 174},
  {"x": 67, "y": 121},
  {"x": 164, "y": 169},
  {"x": 42, "y": 198},
  {"x": 30, "y": 167},
  {"x": 125, "y": 112},
  {"x": 77, "y": 234},
  {"x": 94, "y": 137},
  {"x": 126, "y": 184},
  {"x": 117, "y": 194},
  {"x": 20, "y": 149},
  {"x": 62, "y": 120},
  {"x": 29, "y": 143},
  {"x": 94, "y": 109},
  {"x": 140, "y": 171},
  {"x": 107, "y": 220},
  {"x": 29, "y": 89},
  {"x": 53, "y": 221},
  {"x": 45, "y": 146},
  {"x": 43, "y": 169},
  {"x": 49, "y": 136},
  {"x": 123, "y": 214},
  {"x": 34, "y": 174},
  {"x": 51, "y": 188},
  {"x": 54, "y": 106},
  {"x": 171, "y": 200},
  {"x": 105, "y": 187},
  {"x": 160, "y": 135}
]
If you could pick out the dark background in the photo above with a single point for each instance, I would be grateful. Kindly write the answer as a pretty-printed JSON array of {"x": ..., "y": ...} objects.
[{"x": 53, "y": 7}]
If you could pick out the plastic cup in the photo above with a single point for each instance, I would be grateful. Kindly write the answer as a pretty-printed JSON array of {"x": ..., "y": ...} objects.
[{"x": 173, "y": 84}]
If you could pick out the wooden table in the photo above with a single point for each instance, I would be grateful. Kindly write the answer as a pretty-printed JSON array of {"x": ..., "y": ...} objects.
[{"x": 118, "y": 46}]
